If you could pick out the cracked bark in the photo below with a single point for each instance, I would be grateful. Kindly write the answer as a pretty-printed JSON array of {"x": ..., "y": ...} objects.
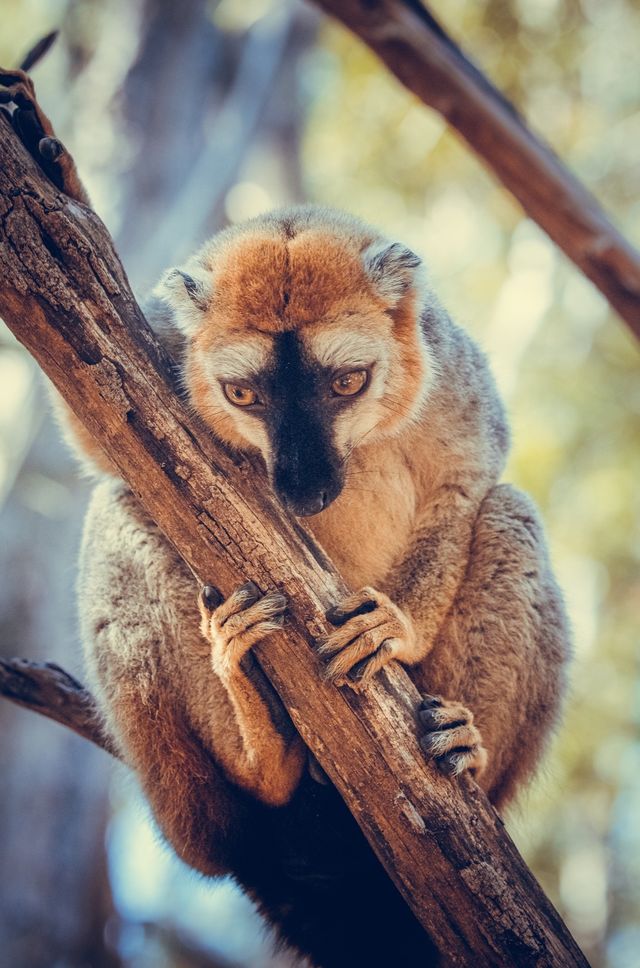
[{"x": 65, "y": 296}]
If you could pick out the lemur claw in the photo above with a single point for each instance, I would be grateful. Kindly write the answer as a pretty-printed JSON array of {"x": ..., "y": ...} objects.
[
  {"x": 211, "y": 597},
  {"x": 450, "y": 737},
  {"x": 51, "y": 148}
]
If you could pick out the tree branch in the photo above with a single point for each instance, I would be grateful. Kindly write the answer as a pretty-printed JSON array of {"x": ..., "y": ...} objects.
[
  {"x": 45, "y": 688},
  {"x": 413, "y": 45},
  {"x": 64, "y": 294}
]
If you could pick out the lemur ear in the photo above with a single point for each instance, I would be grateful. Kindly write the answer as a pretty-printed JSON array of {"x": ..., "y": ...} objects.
[
  {"x": 187, "y": 293},
  {"x": 392, "y": 268}
]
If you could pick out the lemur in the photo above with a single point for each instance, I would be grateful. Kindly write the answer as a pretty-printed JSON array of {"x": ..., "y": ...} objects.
[{"x": 308, "y": 338}]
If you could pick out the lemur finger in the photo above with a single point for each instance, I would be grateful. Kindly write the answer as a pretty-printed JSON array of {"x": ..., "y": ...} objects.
[
  {"x": 472, "y": 760},
  {"x": 440, "y": 742},
  {"x": 363, "y": 671},
  {"x": 12, "y": 78},
  {"x": 451, "y": 738},
  {"x": 51, "y": 149},
  {"x": 358, "y": 603},
  {"x": 243, "y": 596},
  {"x": 445, "y": 716},
  {"x": 268, "y": 606},
  {"x": 335, "y": 641},
  {"x": 242, "y": 642},
  {"x": 215, "y": 611},
  {"x": 19, "y": 96},
  {"x": 364, "y": 646},
  {"x": 28, "y": 128}
]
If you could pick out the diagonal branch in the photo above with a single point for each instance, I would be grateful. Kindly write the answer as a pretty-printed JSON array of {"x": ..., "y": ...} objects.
[
  {"x": 45, "y": 688},
  {"x": 65, "y": 296},
  {"x": 414, "y": 46}
]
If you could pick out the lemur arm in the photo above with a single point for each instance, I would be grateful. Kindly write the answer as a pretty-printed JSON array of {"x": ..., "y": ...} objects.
[
  {"x": 173, "y": 690},
  {"x": 402, "y": 619},
  {"x": 425, "y": 582},
  {"x": 263, "y": 753},
  {"x": 495, "y": 632},
  {"x": 501, "y": 652}
]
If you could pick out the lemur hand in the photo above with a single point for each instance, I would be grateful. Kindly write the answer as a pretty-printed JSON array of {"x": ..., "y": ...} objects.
[
  {"x": 370, "y": 631},
  {"x": 233, "y": 626},
  {"x": 450, "y": 737},
  {"x": 34, "y": 128}
]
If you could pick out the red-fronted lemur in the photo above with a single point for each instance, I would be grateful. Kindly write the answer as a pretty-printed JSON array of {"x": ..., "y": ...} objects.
[{"x": 306, "y": 336}]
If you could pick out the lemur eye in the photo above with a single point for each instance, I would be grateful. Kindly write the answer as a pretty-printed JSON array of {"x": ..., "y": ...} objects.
[
  {"x": 348, "y": 384},
  {"x": 240, "y": 396}
]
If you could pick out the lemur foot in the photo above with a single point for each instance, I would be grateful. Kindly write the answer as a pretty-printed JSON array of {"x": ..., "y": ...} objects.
[
  {"x": 233, "y": 626},
  {"x": 36, "y": 133},
  {"x": 450, "y": 737},
  {"x": 371, "y": 631}
]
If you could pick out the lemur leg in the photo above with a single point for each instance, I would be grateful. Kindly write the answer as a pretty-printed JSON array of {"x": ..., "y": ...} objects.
[
  {"x": 501, "y": 652},
  {"x": 151, "y": 671},
  {"x": 36, "y": 133},
  {"x": 269, "y": 758}
]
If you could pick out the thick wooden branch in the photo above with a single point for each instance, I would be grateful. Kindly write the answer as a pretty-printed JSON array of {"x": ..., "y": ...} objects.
[
  {"x": 66, "y": 297},
  {"x": 414, "y": 46}
]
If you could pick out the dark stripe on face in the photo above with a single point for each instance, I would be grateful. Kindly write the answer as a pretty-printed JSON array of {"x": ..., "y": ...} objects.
[{"x": 307, "y": 471}]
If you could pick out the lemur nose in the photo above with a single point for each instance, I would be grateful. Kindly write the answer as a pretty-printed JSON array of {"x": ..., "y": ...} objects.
[
  {"x": 305, "y": 507},
  {"x": 307, "y": 492}
]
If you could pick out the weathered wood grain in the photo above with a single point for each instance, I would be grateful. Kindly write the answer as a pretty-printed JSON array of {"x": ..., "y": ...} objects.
[{"x": 64, "y": 294}]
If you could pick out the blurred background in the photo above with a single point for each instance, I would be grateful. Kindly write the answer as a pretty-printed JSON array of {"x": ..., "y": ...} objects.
[{"x": 183, "y": 117}]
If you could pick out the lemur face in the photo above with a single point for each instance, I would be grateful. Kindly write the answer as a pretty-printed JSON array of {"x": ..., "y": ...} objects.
[{"x": 303, "y": 343}]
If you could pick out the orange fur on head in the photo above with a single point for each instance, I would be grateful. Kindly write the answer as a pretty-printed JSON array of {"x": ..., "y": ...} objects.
[
  {"x": 325, "y": 278},
  {"x": 270, "y": 283}
]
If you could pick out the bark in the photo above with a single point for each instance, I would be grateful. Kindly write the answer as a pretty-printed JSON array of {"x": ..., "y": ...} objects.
[
  {"x": 413, "y": 45},
  {"x": 64, "y": 294}
]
